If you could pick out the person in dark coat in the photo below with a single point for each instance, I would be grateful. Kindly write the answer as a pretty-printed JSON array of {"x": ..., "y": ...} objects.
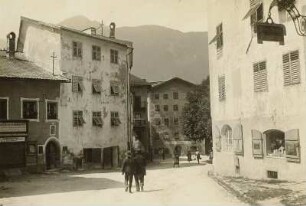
[
  {"x": 128, "y": 170},
  {"x": 189, "y": 156},
  {"x": 140, "y": 170}
]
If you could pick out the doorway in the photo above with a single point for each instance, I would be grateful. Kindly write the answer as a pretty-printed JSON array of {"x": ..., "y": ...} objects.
[{"x": 52, "y": 155}]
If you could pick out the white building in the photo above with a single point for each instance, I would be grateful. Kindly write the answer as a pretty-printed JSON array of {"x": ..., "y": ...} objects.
[
  {"x": 258, "y": 93},
  {"x": 93, "y": 109}
]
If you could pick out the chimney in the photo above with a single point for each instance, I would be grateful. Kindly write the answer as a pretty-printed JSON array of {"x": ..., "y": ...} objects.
[
  {"x": 11, "y": 44},
  {"x": 93, "y": 31},
  {"x": 112, "y": 28}
]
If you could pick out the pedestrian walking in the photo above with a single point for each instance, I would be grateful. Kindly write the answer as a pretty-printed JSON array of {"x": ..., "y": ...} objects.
[
  {"x": 189, "y": 156},
  {"x": 128, "y": 170},
  {"x": 140, "y": 170},
  {"x": 176, "y": 158},
  {"x": 198, "y": 155}
]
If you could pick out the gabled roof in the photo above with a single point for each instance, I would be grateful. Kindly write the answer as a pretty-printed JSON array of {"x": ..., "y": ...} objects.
[
  {"x": 21, "y": 69},
  {"x": 136, "y": 81},
  {"x": 57, "y": 27},
  {"x": 163, "y": 83}
]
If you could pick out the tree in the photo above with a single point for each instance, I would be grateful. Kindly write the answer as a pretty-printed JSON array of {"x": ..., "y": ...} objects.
[{"x": 196, "y": 114}]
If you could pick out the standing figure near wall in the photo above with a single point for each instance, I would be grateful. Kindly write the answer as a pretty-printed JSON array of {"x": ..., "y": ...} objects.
[
  {"x": 128, "y": 170},
  {"x": 140, "y": 170}
]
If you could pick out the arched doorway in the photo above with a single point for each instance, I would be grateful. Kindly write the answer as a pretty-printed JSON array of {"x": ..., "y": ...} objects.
[{"x": 52, "y": 155}]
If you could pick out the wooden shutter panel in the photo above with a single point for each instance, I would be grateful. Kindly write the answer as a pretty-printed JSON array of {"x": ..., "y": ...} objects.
[
  {"x": 286, "y": 70},
  {"x": 221, "y": 84},
  {"x": 257, "y": 144},
  {"x": 292, "y": 144},
  {"x": 260, "y": 77},
  {"x": 295, "y": 67},
  {"x": 238, "y": 140},
  {"x": 217, "y": 138}
]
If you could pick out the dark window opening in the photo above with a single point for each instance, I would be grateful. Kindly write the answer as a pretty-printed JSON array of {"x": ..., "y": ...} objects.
[
  {"x": 52, "y": 110},
  {"x": 30, "y": 110},
  {"x": 78, "y": 119},
  {"x": 114, "y": 56},
  {"x": 3, "y": 109},
  {"x": 96, "y": 53}
]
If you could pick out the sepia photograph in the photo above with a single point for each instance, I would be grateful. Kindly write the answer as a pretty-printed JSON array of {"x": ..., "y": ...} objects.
[{"x": 152, "y": 102}]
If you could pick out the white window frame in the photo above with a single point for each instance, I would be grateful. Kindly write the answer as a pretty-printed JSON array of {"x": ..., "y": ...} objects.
[
  {"x": 22, "y": 99},
  {"x": 7, "y": 106},
  {"x": 46, "y": 106}
]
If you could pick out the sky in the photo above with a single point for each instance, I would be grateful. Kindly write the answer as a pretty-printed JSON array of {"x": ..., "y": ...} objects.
[{"x": 183, "y": 15}]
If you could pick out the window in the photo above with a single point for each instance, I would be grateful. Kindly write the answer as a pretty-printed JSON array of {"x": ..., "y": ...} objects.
[
  {"x": 257, "y": 144},
  {"x": 96, "y": 119},
  {"x": 165, "y": 108},
  {"x": 77, "y": 49},
  {"x": 3, "y": 109},
  {"x": 156, "y": 96},
  {"x": 157, "y": 121},
  {"x": 115, "y": 121},
  {"x": 96, "y": 86},
  {"x": 52, "y": 110},
  {"x": 275, "y": 143},
  {"x": 96, "y": 53},
  {"x": 226, "y": 133},
  {"x": 175, "y": 121},
  {"x": 114, "y": 89},
  {"x": 137, "y": 103},
  {"x": 260, "y": 77},
  {"x": 114, "y": 56},
  {"x": 157, "y": 108},
  {"x": 165, "y": 96},
  {"x": 166, "y": 121},
  {"x": 175, "y": 107},
  {"x": 221, "y": 84},
  {"x": 219, "y": 36},
  {"x": 255, "y": 13},
  {"x": 30, "y": 109},
  {"x": 291, "y": 68},
  {"x": 77, "y": 84},
  {"x": 78, "y": 119},
  {"x": 175, "y": 95},
  {"x": 52, "y": 130}
]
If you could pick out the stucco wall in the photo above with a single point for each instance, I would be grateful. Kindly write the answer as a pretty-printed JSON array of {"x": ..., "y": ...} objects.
[{"x": 281, "y": 107}]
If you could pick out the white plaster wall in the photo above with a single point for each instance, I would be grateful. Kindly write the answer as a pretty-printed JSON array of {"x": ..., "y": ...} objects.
[{"x": 280, "y": 108}]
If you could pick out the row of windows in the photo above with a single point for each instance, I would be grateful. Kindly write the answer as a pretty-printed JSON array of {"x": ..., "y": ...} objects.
[
  {"x": 291, "y": 74},
  {"x": 30, "y": 109},
  {"x": 77, "y": 51},
  {"x": 166, "y": 108},
  {"x": 167, "y": 121},
  {"x": 175, "y": 95},
  {"x": 78, "y": 86},
  {"x": 78, "y": 120}
]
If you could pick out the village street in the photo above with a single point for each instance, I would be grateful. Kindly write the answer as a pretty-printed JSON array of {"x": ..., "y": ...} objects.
[{"x": 164, "y": 185}]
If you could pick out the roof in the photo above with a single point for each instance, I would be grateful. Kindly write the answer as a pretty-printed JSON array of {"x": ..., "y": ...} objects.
[
  {"x": 162, "y": 83},
  {"x": 57, "y": 27},
  {"x": 136, "y": 81},
  {"x": 22, "y": 69}
]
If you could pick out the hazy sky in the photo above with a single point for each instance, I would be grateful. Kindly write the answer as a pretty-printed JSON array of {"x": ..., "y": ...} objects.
[{"x": 183, "y": 15}]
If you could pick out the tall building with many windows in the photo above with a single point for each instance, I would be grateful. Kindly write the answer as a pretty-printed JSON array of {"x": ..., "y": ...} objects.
[
  {"x": 257, "y": 92},
  {"x": 93, "y": 108}
]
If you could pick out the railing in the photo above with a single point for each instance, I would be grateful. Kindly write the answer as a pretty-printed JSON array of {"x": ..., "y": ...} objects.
[{"x": 140, "y": 122}]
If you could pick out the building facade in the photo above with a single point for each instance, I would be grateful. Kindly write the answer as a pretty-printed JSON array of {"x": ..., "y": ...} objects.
[
  {"x": 29, "y": 118},
  {"x": 93, "y": 108},
  {"x": 257, "y": 92},
  {"x": 140, "y": 89},
  {"x": 167, "y": 99}
]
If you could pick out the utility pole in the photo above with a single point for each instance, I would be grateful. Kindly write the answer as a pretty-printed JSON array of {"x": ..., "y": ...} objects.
[
  {"x": 53, "y": 58},
  {"x": 128, "y": 106}
]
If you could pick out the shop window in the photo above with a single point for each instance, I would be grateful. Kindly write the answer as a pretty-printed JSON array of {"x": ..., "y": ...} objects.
[
  {"x": 157, "y": 108},
  {"x": 78, "y": 119},
  {"x": 30, "y": 109},
  {"x": 96, "y": 86},
  {"x": 292, "y": 145},
  {"x": 77, "y": 49},
  {"x": 114, "y": 56},
  {"x": 96, "y": 53},
  {"x": 275, "y": 143},
  {"x": 52, "y": 110},
  {"x": 3, "y": 109},
  {"x": 260, "y": 77},
  {"x": 227, "y": 137},
  {"x": 77, "y": 84},
  {"x": 257, "y": 145},
  {"x": 115, "y": 120},
  {"x": 291, "y": 68},
  {"x": 97, "y": 119}
]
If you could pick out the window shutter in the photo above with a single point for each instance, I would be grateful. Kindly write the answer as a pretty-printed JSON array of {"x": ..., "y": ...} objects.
[
  {"x": 254, "y": 5},
  {"x": 286, "y": 70},
  {"x": 292, "y": 144},
  {"x": 238, "y": 140},
  {"x": 257, "y": 144},
  {"x": 295, "y": 67},
  {"x": 221, "y": 82},
  {"x": 217, "y": 138},
  {"x": 260, "y": 77}
]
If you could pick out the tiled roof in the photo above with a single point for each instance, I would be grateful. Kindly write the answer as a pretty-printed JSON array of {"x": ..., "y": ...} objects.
[
  {"x": 100, "y": 37},
  {"x": 136, "y": 81},
  {"x": 21, "y": 69}
]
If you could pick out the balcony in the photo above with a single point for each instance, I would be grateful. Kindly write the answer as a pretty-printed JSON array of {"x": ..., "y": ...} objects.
[{"x": 140, "y": 122}]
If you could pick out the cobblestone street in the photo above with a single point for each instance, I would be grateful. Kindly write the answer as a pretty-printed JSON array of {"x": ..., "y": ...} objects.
[{"x": 164, "y": 185}]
